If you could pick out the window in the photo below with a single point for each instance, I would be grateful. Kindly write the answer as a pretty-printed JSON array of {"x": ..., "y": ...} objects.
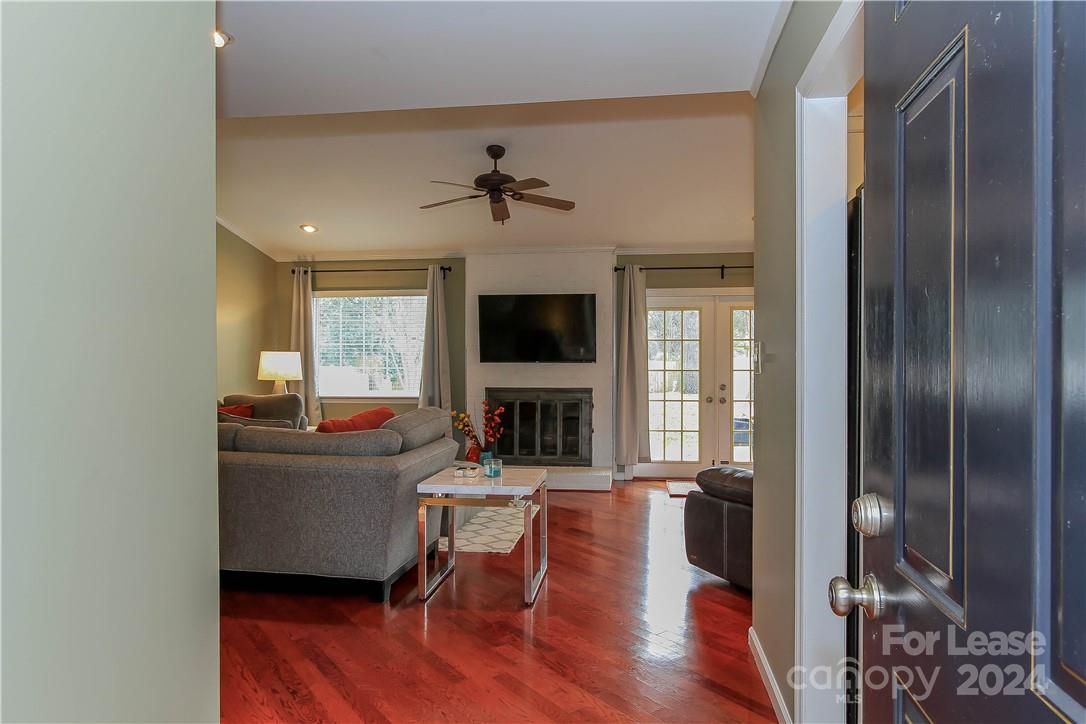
[
  {"x": 742, "y": 427},
  {"x": 369, "y": 346},
  {"x": 674, "y": 384}
]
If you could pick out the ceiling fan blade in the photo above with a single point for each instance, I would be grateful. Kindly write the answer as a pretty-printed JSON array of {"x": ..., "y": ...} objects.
[
  {"x": 451, "y": 183},
  {"x": 525, "y": 184},
  {"x": 546, "y": 201},
  {"x": 452, "y": 201},
  {"x": 500, "y": 210}
]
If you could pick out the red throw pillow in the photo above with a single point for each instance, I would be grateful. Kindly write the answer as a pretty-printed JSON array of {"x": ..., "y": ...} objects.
[
  {"x": 238, "y": 410},
  {"x": 368, "y": 420}
]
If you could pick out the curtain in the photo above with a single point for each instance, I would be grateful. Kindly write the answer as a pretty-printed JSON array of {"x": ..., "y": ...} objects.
[
  {"x": 632, "y": 378},
  {"x": 436, "y": 389},
  {"x": 301, "y": 340}
]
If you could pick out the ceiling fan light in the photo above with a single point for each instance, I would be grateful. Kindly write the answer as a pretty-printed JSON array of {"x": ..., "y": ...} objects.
[{"x": 309, "y": 228}]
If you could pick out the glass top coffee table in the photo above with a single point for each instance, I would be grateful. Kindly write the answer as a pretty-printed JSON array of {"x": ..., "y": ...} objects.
[{"x": 517, "y": 487}]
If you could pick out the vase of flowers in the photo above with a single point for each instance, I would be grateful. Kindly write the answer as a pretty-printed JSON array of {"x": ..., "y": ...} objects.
[{"x": 492, "y": 430}]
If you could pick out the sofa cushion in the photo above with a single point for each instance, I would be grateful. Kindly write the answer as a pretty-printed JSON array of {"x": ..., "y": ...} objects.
[
  {"x": 237, "y": 410},
  {"x": 255, "y": 421},
  {"x": 728, "y": 483},
  {"x": 367, "y": 420},
  {"x": 420, "y": 426},
  {"x": 228, "y": 432},
  {"x": 367, "y": 443}
]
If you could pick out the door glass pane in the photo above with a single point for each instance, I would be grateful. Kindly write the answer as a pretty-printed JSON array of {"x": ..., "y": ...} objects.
[
  {"x": 673, "y": 448},
  {"x": 656, "y": 325},
  {"x": 690, "y": 447},
  {"x": 691, "y": 383},
  {"x": 656, "y": 355},
  {"x": 741, "y": 385},
  {"x": 674, "y": 357},
  {"x": 742, "y": 424},
  {"x": 674, "y": 385},
  {"x": 656, "y": 445},
  {"x": 740, "y": 355},
  {"x": 656, "y": 385}
]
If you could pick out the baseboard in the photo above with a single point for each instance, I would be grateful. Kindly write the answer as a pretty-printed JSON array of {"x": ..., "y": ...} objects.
[{"x": 780, "y": 707}]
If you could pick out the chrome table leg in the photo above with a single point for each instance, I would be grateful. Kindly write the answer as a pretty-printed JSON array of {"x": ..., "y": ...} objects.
[
  {"x": 427, "y": 588},
  {"x": 533, "y": 579}
]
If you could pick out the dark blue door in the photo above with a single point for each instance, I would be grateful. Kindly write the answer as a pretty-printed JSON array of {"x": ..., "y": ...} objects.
[{"x": 974, "y": 362}]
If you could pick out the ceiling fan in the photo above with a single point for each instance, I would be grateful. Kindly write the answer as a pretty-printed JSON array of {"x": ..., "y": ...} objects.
[{"x": 497, "y": 186}]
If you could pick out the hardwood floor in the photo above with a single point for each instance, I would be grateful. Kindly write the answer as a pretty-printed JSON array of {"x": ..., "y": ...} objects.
[{"x": 623, "y": 629}]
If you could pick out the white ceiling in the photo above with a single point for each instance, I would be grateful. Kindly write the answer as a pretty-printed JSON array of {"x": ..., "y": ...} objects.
[
  {"x": 665, "y": 173},
  {"x": 294, "y": 58}
]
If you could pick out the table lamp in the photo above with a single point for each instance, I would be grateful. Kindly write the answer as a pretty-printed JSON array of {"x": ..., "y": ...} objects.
[{"x": 280, "y": 367}]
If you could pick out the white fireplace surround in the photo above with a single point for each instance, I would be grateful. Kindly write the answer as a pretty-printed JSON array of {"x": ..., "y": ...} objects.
[{"x": 548, "y": 273}]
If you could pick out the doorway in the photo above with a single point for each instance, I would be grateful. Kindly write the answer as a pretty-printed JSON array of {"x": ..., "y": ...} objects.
[{"x": 701, "y": 382}]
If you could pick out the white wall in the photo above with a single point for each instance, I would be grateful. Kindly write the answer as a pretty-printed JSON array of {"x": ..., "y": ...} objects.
[
  {"x": 557, "y": 273},
  {"x": 110, "y": 570}
]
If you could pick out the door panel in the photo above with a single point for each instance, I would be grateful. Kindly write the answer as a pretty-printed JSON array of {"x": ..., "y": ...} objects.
[
  {"x": 973, "y": 391},
  {"x": 930, "y": 191}
]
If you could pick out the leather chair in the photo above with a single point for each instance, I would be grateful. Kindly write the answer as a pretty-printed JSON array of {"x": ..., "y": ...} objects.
[
  {"x": 266, "y": 408},
  {"x": 718, "y": 523}
]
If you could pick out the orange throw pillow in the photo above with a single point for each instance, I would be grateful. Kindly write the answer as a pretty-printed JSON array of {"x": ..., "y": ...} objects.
[
  {"x": 238, "y": 410},
  {"x": 368, "y": 420}
]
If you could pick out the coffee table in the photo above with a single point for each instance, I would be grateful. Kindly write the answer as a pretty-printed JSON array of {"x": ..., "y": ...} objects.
[{"x": 517, "y": 487}]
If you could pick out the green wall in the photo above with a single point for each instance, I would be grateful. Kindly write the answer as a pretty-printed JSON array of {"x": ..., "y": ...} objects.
[
  {"x": 245, "y": 319},
  {"x": 705, "y": 278},
  {"x": 775, "y": 298},
  {"x": 381, "y": 280},
  {"x": 110, "y": 509}
]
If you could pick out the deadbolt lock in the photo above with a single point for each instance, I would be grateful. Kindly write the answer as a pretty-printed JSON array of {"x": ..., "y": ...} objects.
[{"x": 871, "y": 515}]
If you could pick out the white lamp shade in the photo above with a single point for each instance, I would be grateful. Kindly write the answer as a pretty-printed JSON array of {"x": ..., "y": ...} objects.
[{"x": 280, "y": 366}]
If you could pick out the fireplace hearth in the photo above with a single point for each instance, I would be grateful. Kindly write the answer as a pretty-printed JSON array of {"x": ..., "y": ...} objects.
[{"x": 544, "y": 426}]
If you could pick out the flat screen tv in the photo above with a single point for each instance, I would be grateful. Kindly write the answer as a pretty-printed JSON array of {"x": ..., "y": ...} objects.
[{"x": 537, "y": 327}]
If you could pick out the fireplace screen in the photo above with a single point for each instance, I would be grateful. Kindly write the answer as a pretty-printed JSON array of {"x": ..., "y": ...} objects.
[{"x": 544, "y": 426}]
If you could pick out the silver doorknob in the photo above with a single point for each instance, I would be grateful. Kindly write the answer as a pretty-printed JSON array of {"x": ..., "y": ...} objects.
[
  {"x": 871, "y": 515},
  {"x": 869, "y": 596},
  {"x": 709, "y": 398}
]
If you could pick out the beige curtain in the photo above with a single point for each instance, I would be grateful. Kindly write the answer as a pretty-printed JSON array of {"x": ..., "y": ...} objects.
[
  {"x": 632, "y": 374},
  {"x": 436, "y": 389},
  {"x": 301, "y": 340}
]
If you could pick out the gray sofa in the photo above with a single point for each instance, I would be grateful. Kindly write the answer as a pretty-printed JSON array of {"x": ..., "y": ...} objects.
[
  {"x": 286, "y": 410},
  {"x": 329, "y": 504}
]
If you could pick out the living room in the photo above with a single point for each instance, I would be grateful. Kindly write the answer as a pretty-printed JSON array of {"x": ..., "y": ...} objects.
[{"x": 604, "y": 317}]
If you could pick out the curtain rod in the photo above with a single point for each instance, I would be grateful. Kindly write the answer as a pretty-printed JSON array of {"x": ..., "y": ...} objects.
[
  {"x": 444, "y": 270},
  {"x": 723, "y": 268}
]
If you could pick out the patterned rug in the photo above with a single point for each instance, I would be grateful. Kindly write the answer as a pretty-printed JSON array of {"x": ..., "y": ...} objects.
[
  {"x": 492, "y": 530},
  {"x": 681, "y": 488}
]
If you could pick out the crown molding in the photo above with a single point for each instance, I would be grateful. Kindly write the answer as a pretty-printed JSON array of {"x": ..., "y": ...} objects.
[
  {"x": 775, "y": 30},
  {"x": 266, "y": 251},
  {"x": 735, "y": 247},
  {"x": 732, "y": 247}
]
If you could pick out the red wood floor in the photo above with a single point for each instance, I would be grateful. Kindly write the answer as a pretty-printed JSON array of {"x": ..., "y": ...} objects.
[{"x": 624, "y": 629}]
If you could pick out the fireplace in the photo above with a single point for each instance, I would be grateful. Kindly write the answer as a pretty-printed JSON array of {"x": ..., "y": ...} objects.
[{"x": 544, "y": 426}]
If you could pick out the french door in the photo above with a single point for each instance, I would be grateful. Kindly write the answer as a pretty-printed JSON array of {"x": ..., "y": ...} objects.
[{"x": 701, "y": 384}]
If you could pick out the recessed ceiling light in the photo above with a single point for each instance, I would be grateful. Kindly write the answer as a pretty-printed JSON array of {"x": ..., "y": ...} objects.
[
  {"x": 221, "y": 39},
  {"x": 309, "y": 228}
]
